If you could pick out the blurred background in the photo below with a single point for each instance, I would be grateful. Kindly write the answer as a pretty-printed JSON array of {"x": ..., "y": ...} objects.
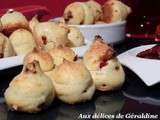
[{"x": 143, "y": 20}]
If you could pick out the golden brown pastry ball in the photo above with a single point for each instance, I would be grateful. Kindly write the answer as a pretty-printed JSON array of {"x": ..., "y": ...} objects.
[
  {"x": 106, "y": 71},
  {"x": 44, "y": 58},
  {"x": 6, "y": 49},
  {"x": 60, "y": 53},
  {"x": 30, "y": 91},
  {"x": 96, "y": 9},
  {"x": 74, "y": 13},
  {"x": 78, "y": 13},
  {"x": 13, "y": 20},
  {"x": 73, "y": 82},
  {"x": 97, "y": 53},
  {"x": 22, "y": 41},
  {"x": 50, "y": 35},
  {"x": 75, "y": 37},
  {"x": 109, "y": 77},
  {"x": 115, "y": 10}
]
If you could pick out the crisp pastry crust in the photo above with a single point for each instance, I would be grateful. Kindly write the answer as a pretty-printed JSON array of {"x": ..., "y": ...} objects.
[
  {"x": 115, "y": 10},
  {"x": 50, "y": 35},
  {"x": 60, "y": 53},
  {"x": 73, "y": 82},
  {"x": 106, "y": 71},
  {"x": 22, "y": 41},
  {"x": 13, "y": 20},
  {"x": 88, "y": 14},
  {"x": 75, "y": 37},
  {"x": 74, "y": 14},
  {"x": 96, "y": 10},
  {"x": 30, "y": 91},
  {"x": 44, "y": 58},
  {"x": 6, "y": 48},
  {"x": 97, "y": 54}
]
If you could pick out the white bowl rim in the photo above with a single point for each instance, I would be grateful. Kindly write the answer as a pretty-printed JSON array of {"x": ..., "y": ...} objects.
[{"x": 118, "y": 23}]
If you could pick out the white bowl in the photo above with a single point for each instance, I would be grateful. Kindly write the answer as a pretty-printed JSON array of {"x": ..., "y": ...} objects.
[{"x": 112, "y": 33}]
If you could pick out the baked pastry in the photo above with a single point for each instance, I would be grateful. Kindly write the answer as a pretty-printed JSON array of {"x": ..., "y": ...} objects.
[
  {"x": 33, "y": 22},
  {"x": 78, "y": 13},
  {"x": 88, "y": 14},
  {"x": 96, "y": 10},
  {"x": 106, "y": 71},
  {"x": 73, "y": 82},
  {"x": 115, "y": 10},
  {"x": 6, "y": 49},
  {"x": 74, "y": 13},
  {"x": 50, "y": 35},
  {"x": 44, "y": 58},
  {"x": 75, "y": 37},
  {"x": 30, "y": 91},
  {"x": 13, "y": 20},
  {"x": 60, "y": 53},
  {"x": 22, "y": 41}
]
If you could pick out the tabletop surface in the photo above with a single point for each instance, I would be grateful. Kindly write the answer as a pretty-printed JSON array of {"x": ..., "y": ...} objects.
[{"x": 134, "y": 97}]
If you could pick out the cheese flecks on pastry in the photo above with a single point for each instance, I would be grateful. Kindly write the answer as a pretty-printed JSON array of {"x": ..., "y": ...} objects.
[
  {"x": 115, "y": 10},
  {"x": 30, "y": 91},
  {"x": 74, "y": 14},
  {"x": 73, "y": 82},
  {"x": 110, "y": 77},
  {"x": 96, "y": 10},
  {"x": 78, "y": 13},
  {"x": 88, "y": 14},
  {"x": 13, "y": 20},
  {"x": 6, "y": 49},
  {"x": 50, "y": 35},
  {"x": 106, "y": 71},
  {"x": 22, "y": 41},
  {"x": 44, "y": 58}
]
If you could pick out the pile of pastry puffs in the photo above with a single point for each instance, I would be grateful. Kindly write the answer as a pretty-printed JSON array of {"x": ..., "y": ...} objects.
[
  {"x": 61, "y": 73},
  {"x": 91, "y": 12},
  {"x": 51, "y": 68},
  {"x": 19, "y": 36}
]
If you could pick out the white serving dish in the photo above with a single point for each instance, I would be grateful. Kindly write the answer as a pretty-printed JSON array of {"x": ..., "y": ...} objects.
[
  {"x": 146, "y": 69},
  {"x": 112, "y": 33}
]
